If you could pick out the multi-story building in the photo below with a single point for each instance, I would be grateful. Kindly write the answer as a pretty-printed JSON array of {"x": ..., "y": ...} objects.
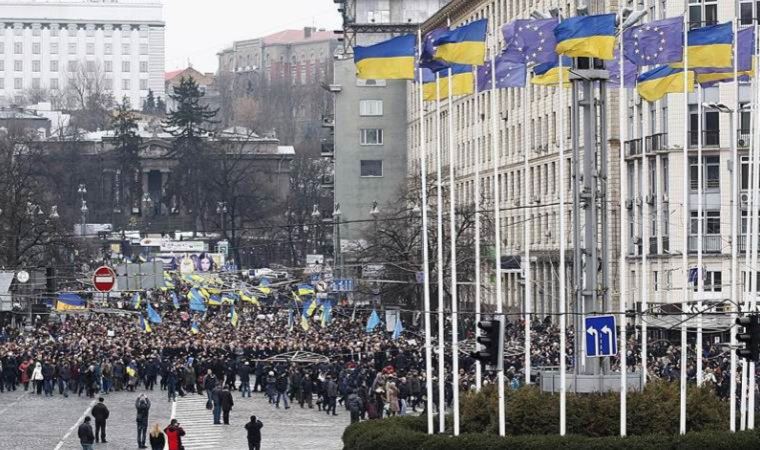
[
  {"x": 655, "y": 135},
  {"x": 370, "y": 133},
  {"x": 47, "y": 44}
]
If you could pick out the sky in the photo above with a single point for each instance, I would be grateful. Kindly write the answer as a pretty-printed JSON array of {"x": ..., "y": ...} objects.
[{"x": 197, "y": 29}]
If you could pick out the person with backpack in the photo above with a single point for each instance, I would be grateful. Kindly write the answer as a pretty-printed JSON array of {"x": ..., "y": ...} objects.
[{"x": 142, "y": 405}]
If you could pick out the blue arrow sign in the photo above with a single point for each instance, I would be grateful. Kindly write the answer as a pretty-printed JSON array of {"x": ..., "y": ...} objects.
[{"x": 601, "y": 336}]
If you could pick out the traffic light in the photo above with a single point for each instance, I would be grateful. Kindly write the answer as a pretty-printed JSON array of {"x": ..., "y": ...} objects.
[
  {"x": 750, "y": 337},
  {"x": 492, "y": 339}
]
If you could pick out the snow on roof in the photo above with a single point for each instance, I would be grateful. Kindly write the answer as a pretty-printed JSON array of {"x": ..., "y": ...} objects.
[{"x": 298, "y": 37}]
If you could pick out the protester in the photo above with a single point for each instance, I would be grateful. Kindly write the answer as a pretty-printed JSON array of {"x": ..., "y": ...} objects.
[
  {"x": 100, "y": 413},
  {"x": 226, "y": 402},
  {"x": 86, "y": 436},
  {"x": 157, "y": 439},
  {"x": 174, "y": 433},
  {"x": 142, "y": 405},
  {"x": 253, "y": 429}
]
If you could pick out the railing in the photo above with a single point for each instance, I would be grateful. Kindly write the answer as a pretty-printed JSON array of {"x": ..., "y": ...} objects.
[
  {"x": 710, "y": 138},
  {"x": 710, "y": 244},
  {"x": 632, "y": 147},
  {"x": 657, "y": 142},
  {"x": 328, "y": 148},
  {"x": 742, "y": 139}
]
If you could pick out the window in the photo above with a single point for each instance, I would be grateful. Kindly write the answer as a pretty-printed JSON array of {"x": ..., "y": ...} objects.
[
  {"x": 746, "y": 12},
  {"x": 2, "y": 83},
  {"x": 108, "y": 49},
  {"x": 2, "y": 65},
  {"x": 90, "y": 65},
  {"x": 370, "y": 83},
  {"x": 90, "y": 48},
  {"x": 90, "y": 32},
  {"x": 713, "y": 281},
  {"x": 371, "y": 108},
  {"x": 55, "y": 32},
  {"x": 371, "y": 168},
  {"x": 54, "y": 83},
  {"x": 18, "y": 65},
  {"x": 36, "y": 48},
  {"x": 72, "y": 48},
  {"x": 710, "y": 174},
  {"x": 108, "y": 83},
  {"x": 54, "y": 65},
  {"x": 18, "y": 48},
  {"x": 35, "y": 83},
  {"x": 108, "y": 66},
  {"x": 72, "y": 66},
  {"x": 703, "y": 13},
  {"x": 143, "y": 49},
  {"x": 126, "y": 85},
  {"x": 125, "y": 49},
  {"x": 371, "y": 136},
  {"x": 54, "y": 48},
  {"x": 36, "y": 32},
  {"x": 36, "y": 66},
  {"x": 144, "y": 85},
  {"x": 712, "y": 223},
  {"x": 125, "y": 66},
  {"x": 2, "y": 48},
  {"x": 144, "y": 66},
  {"x": 18, "y": 83}
]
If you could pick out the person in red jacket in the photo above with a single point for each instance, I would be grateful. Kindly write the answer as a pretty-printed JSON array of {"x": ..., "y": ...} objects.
[{"x": 174, "y": 434}]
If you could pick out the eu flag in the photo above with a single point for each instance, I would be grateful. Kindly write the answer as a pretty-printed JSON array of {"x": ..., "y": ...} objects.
[
  {"x": 389, "y": 60},
  {"x": 587, "y": 36},
  {"x": 463, "y": 45},
  {"x": 533, "y": 39},
  {"x": 658, "y": 42},
  {"x": 630, "y": 71},
  {"x": 509, "y": 74},
  {"x": 427, "y": 53}
]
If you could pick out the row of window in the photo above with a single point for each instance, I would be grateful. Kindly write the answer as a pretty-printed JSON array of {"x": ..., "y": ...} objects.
[
  {"x": 73, "y": 48},
  {"x": 54, "y": 83},
  {"x": 73, "y": 66},
  {"x": 73, "y": 31}
]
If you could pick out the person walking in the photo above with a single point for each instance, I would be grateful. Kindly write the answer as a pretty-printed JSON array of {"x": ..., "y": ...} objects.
[
  {"x": 174, "y": 433},
  {"x": 100, "y": 413},
  {"x": 216, "y": 398},
  {"x": 245, "y": 379},
  {"x": 37, "y": 377},
  {"x": 86, "y": 436},
  {"x": 331, "y": 394},
  {"x": 254, "y": 433},
  {"x": 142, "y": 405},
  {"x": 226, "y": 401},
  {"x": 354, "y": 403},
  {"x": 281, "y": 384},
  {"x": 157, "y": 439}
]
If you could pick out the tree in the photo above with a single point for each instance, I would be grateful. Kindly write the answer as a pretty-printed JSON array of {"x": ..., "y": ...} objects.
[
  {"x": 160, "y": 106},
  {"x": 127, "y": 147},
  {"x": 89, "y": 97},
  {"x": 189, "y": 124},
  {"x": 149, "y": 105}
]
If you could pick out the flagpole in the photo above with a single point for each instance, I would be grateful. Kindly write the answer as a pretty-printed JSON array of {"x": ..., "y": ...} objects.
[
  {"x": 562, "y": 262},
  {"x": 685, "y": 226},
  {"x": 439, "y": 189},
  {"x": 623, "y": 269},
  {"x": 478, "y": 368},
  {"x": 527, "y": 148},
  {"x": 743, "y": 406},
  {"x": 425, "y": 255},
  {"x": 755, "y": 227},
  {"x": 453, "y": 245},
  {"x": 735, "y": 208},
  {"x": 643, "y": 190},
  {"x": 700, "y": 234},
  {"x": 497, "y": 229}
]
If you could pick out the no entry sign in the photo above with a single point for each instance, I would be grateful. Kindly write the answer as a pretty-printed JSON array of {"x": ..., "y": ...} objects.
[{"x": 104, "y": 279}]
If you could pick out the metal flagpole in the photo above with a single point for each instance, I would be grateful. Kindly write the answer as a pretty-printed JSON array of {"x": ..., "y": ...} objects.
[
  {"x": 700, "y": 234},
  {"x": 562, "y": 262},
  {"x": 735, "y": 208},
  {"x": 439, "y": 189},
  {"x": 425, "y": 254},
  {"x": 752, "y": 269},
  {"x": 452, "y": 243},
  {"x": 685, "y": 227},
  {"x": 743, "y": 407},
  {"x": 527, "y": 148},
  {"x": 497, "y": 229},
  {"x": 623, "y": 269},
  {"x": 478, "y": 368},
  {"x": 645, "y": 231}
]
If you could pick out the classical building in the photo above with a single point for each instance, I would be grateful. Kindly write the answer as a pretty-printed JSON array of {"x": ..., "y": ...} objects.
[{"x": 45, "y": 44}]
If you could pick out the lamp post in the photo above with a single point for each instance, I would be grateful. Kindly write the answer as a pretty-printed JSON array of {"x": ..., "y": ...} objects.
[
  {"x": 315, "y": 215},
  {"x": 221, "y": 209},
  {"x": 374, "y": 212},
  {"x": 82, "y": 191},
  {"x": 337, "y": 253}
]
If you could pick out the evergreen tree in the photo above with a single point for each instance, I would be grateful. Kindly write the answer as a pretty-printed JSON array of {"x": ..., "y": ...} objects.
[
  {"x": 160, "y": 106},
  {"x": 149, "y": 106},
  {"x": 128, "y": 143}
]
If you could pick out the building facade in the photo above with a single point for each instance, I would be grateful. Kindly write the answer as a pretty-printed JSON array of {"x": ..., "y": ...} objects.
[
  {"x": 47, "y": 44},
  {"x": 370, "y": 133}
]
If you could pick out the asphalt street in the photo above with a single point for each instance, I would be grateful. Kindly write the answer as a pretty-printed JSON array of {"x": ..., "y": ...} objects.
[{"x": 29, "y": 421}]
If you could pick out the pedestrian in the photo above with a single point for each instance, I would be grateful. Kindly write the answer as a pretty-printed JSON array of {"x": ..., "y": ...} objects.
[
  {"x": 37, "y": 377},
  {"x": 157, "y": 439},
  {"x": 254, "y": 433},
  {"x": 174, "y": 433},
  {"x": 216, "y": 398},
  {"x": 331, "y": 394},
  {"x": 100, "y": 413},
  {"x": 245, "y": 379},
  {"x": 86, "y": 436},
  {"x": 142, "y": 404},
  {"x": 226, "y": 401},
  {"x": 355, "y": 406},
  {"x": 281, "y": 384}
]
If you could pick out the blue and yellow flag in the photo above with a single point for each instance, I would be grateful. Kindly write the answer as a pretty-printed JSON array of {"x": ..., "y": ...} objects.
[
  {"x": 214, "y": 300},
  {"x": 153, "y": 315},
  {"x": 136, "y": 300},
  {"x": 548, "y": 74},
  {"x": 710, "y": 47},
  {"x": 233, "y": 317},
  {"x": 389, "y": 60},
  {"x": 68, "y": 302},
  {"x": 305, "y": 289},
  {"x": 463, "y": 45},
  {"x": 586, "y": 36},
  {"x": 175, "y": 300},
  {"x": 246, "y": 297},
  {"x": 326, "y": 313},
  {"x": 312, "y": 308},
  {"x": 195, "y": 328},
  {"x": 462, "y": 82},
  {"x": 196, "y": 300},
  {"x": 144, "y": 325},
  {"x": 657, "y": 83}
]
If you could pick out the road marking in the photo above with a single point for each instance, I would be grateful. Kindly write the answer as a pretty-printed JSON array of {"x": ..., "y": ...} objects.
[
  {"x": 76, "y": 425},
  {"x": 13, "y": 403},
  {"x": 198, "y": 423}
]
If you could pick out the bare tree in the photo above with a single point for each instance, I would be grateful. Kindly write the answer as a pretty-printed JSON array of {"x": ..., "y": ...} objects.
[{"x": 88, "y": 95}]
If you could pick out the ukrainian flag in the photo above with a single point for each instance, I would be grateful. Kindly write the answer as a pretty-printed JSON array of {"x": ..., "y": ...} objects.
[
  {"x": 144, "y": 325},
  {"x": 136, "y": 300},
  {"x": 249, "y": 298},
  {"x": 195, "y": 328},
  {"x": 587, "y": 36},
  {"x": 305, "y": 289},
  {"x": 214, "y": 300},
  {"x": 389, "y": 60},
  {"x": 462, "y": 82},
  {"x": 234, "y": 317},
  {"x": 464, "y": 45},
  {"x": 549, "y": 74},
  {"x": 304, "y": 320},
  {"x": 312, "y": 308},
  {"x": 710, "y": 46},
  {"x": 657, "y": 83},
  {"x": 68, "y": 302},
  {"x": 264, "y": 290}
]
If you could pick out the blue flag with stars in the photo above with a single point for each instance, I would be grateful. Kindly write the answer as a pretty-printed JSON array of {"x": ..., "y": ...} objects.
[
  {"x": 509, "y": 74},
  {"x": 653, "y": 43},
  {"x": 533, "y": 39}
]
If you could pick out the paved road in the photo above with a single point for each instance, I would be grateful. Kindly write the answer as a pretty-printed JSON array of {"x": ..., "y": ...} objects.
[{"x": 28, "y": 421}]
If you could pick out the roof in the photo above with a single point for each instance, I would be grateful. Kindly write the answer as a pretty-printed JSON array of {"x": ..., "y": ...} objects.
[
  {"x": 7, "y": 114},
  {"x": 298, "y": 37},
  {"x": 174, "y": 76},
  {"x": 168, "y": 76},
  {"x": 286, "y": 150}
]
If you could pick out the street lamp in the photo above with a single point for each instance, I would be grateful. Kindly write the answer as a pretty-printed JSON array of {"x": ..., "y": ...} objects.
[
  {"x": 337, "y": 253},
  {"x": 54, "y": 213},
  {"x": 82, "y": 191},
  {"x": 315, "y": 215},
  {"x": 221, "y": 209}
]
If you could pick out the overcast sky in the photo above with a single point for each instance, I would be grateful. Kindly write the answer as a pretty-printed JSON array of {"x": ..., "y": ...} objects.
[{"x": 197, "y": 30}]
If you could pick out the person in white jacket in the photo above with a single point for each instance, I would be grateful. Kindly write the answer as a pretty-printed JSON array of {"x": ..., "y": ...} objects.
[{"x": 37, "y": 377}]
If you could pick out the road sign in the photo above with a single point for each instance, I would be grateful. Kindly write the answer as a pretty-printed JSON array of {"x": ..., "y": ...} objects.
[
  {"x": 601, "y": 336},
  {"x": 22, "y": 276},
  {"x": 343, "y": 285},
  {"x": 104, "y": 279}
]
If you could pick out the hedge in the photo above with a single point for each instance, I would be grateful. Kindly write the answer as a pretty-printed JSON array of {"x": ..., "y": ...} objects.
[{"x": 593, "y": 420}]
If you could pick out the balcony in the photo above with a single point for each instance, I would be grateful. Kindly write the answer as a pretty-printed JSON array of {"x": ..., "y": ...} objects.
[
  {"x": 742, "y": 140},
  {"x": 328, "y": 121},
  {"x": 710, "y": 244},
  {"x": 328, "y": 181},
  {"x": 632, "y": 147},
  {"x": 653, "y": 245},
  {"x": 710, "y": 139},
  {"x": 328, "y": 148},
  {"x": 657, "y": 142}
]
